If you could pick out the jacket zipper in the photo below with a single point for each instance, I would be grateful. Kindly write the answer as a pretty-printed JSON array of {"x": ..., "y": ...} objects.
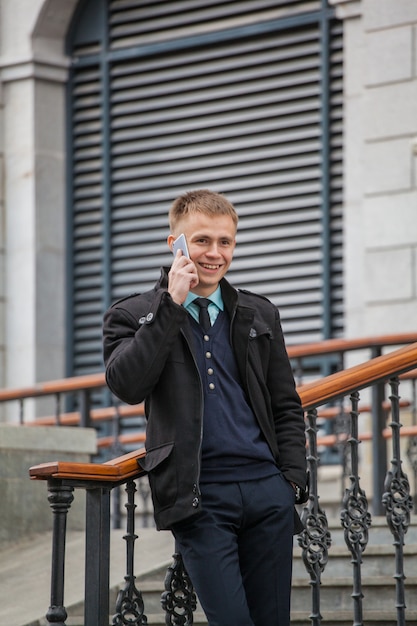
[{"x": 197, "y": 492}]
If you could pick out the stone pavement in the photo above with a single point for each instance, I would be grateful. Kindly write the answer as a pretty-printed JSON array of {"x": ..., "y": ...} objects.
[{"x": 25, "y": 571}]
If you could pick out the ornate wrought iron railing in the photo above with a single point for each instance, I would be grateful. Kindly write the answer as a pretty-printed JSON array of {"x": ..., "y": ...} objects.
[
  {"x": 179, "y": 599},
  {"x": 355, "y": 516},
  {"x": 120, "y": 427},
  {"x": 82, "y": 387}
]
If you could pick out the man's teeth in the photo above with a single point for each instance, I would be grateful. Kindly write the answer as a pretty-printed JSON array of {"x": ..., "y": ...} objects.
[{"x": 210, "y": 267}]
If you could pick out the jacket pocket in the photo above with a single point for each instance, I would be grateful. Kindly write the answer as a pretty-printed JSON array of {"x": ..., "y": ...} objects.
[
  {"x": 155, "y": 456},
  {"x": 160, "y": 464}
]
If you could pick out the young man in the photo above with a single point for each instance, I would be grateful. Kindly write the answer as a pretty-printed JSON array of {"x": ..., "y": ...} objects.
[{"x": 225, "y": 431}]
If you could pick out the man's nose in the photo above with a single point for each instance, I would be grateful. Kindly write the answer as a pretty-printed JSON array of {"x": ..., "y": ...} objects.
[{"x": 213, "y": 249}]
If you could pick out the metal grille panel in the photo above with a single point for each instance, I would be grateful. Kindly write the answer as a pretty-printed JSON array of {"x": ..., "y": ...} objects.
[{"x": 163, "y": 113}]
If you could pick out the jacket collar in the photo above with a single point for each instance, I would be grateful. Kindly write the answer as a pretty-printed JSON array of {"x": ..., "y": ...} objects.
[{"x": 163, "y": 279}]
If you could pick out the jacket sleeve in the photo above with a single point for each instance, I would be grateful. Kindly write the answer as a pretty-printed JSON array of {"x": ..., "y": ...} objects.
[
  {"x": 138, "y": 335},
  {"x": 287, "y": 411}
]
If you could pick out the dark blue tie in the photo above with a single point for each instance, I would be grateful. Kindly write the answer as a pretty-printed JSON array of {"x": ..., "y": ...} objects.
[{"x": 203, "y": 317}]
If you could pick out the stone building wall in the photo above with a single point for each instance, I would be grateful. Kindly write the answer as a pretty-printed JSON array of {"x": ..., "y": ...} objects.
[
  {"x": 33, "y": 72},
  {"x": 380, "y": 208}
]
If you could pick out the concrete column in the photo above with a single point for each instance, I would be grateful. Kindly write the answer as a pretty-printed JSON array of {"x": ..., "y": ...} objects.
[
  {"x": 33, "y": 73},
  {"x": 2, "y": 251}
]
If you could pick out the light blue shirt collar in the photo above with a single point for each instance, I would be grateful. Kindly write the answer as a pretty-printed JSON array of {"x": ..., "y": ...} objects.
[{"x": 216, "y": 300}]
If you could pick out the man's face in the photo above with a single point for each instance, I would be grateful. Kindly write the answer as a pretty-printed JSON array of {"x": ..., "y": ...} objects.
[{"x": 211, "y": 241}]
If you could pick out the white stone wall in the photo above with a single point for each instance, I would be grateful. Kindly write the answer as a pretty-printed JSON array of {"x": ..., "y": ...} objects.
[
  {"x": 33, "y": 73},
  {"x": 2, "y": 251},
  {"x": 380, "y": 166}
]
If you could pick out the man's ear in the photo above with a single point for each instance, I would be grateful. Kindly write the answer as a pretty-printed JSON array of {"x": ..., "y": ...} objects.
[{"x": 170, "y": 241}]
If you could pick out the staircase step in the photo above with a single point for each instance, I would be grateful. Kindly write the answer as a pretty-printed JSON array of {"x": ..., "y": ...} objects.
[
  {"x": 378, "y": 582},
  {"x": 345, "y": 618},
  {"x": 335, "y": 596},
  {"x": 378, "y": 585},
  {"x": 378, "y": 591},
  {"x": 154, "y": 619},
  {"x": 379, "y": 532},
  {"x": 377, "y": 561},
  {"x": 336, "y": 593},
  {"x": 298, "y": 618},
  {"x": 158, "y": 619}
]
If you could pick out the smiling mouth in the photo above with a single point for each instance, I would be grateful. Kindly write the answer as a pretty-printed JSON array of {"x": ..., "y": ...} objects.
[{"x": 207, "y": 266}]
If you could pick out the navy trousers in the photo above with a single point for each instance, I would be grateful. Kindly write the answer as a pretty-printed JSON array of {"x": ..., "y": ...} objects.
[{"x": 238, "y": 552}]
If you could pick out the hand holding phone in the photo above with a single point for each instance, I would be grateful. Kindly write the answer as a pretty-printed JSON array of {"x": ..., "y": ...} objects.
[
  {"x": 183, "y": 274},
  {"x": 180, "y": 244}
]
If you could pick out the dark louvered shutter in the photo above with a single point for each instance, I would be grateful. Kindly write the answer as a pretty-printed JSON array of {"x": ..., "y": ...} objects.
[{"x": 241, "y": 97}]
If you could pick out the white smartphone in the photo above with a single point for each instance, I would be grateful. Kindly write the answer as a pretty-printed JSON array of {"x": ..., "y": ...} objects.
[{"x": 180, "y": 244}]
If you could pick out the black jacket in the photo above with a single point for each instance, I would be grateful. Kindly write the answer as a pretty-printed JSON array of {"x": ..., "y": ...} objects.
[{"x": 149, "y": 356}]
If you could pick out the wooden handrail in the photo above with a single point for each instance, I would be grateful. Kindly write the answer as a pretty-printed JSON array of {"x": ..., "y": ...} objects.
[
  {"x": 123, "y": 439},
  {"x": 105, "y": 414},
  {"x": 312, "y": 395},
  {"x": 51, "y": 387},
  {"x": 342, "y": 383},
  {"x": 335, "y": 346},
  {"x": 95, "y": 381},
  {"x": 333, "y": 440},
  {"x": 115, "y": 471}
]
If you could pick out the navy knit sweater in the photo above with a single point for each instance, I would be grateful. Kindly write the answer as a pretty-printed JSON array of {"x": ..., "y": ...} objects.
[{"x": 234, "y": 448}]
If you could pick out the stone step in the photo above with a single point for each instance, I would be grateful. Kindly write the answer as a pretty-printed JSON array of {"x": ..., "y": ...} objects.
[
  {"x": 378, "y": 533},
  {"x": 336, "y": 592},
  {"x": 157, "y": 619},
  {"x": 298, "y": 618},
  {"x": 345, "y": 618},
  {"x": 378, "y": 570},
  {"x": 376, "y": 561}
]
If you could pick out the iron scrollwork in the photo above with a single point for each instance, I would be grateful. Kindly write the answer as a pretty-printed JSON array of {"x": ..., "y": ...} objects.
[
  {"x": 179, "y": 600},
  {"x": 315, "y": 539},
  {"x": 412, "y": 458},
  {"x": 355, "y": 517},
  {"x": 129, "y": 605},
  {"x": 397, "y": 501}
]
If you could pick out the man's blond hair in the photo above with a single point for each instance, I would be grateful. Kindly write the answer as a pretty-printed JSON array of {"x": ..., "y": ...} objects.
[{"x": 200, "y": 201}]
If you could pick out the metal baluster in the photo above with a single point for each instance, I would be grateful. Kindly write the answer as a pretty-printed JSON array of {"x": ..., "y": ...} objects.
[
  {"x": 97, "y": 555},
  {"x": 412, "y": 441},
  {"x": 315, "y": 539},
  {"x": 85, "y": 406},
  {"x": 116, "y": 449},
  {"x": 60, "y": 499},
  {"x": 341, "y": 429},
  {"x": 145, "y": 492},
  {"x": 129, "y": 605},
  {"x": 412, "y": 458},
  {"x": 397, "y": 502},
  {"x": 58, "y": 409},
  {"x": 298, "y": 371},
  {"x": 355, "y": 517},
  {"x": 178, "y": 600}
]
